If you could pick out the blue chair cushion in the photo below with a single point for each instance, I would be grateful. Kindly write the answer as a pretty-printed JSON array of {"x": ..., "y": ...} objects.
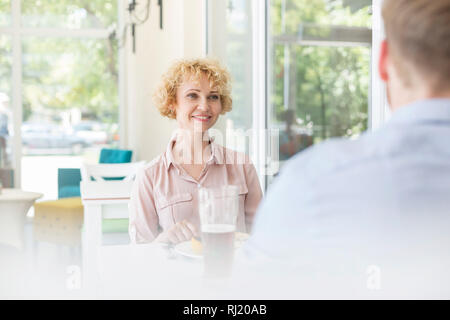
[
  {"x": 69, "y": 192},
  {"x": 115, "y": 156},
  {"x": 69, "y": 182}
]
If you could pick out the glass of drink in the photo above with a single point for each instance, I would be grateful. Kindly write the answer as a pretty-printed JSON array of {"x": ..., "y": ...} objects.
[{"x": 218, "y": 210}]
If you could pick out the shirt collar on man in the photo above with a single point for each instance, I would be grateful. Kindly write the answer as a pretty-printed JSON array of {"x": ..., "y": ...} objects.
[
  {"x": 216, "y": 157},
  {"x": 430, "y": 110}
]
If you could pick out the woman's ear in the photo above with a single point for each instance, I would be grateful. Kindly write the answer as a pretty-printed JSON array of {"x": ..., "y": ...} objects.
[{"x": 172, "y": 110}]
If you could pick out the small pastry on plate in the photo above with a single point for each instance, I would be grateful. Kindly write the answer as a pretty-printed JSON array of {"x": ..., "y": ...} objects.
[{"x": 196, "y": 244}]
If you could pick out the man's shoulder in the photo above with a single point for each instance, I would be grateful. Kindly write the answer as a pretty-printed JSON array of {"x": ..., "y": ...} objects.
[{"x": 330, "y": 155}]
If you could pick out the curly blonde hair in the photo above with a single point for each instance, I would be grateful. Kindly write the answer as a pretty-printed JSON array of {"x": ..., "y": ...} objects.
[{"x": 165, "y": 94}]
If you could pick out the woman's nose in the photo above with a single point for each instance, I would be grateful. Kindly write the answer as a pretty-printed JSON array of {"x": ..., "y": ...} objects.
[{"x": 203, "y": 104}]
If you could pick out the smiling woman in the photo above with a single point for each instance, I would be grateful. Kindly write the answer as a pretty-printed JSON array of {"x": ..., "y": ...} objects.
[
  {"x": 166, "y": 94},
  {"x": 164, "y": 201}
]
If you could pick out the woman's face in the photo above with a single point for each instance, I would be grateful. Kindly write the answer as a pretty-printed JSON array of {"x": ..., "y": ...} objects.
[{"x": 198, "y": 105}]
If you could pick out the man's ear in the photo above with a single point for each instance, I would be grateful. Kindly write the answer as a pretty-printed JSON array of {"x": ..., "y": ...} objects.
[{"x": 383, "y": 61}]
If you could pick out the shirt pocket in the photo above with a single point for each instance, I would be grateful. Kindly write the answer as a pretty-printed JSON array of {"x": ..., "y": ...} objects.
[
  {"x": 174, "y": 208},
  {"x": 240, "y": 223}
]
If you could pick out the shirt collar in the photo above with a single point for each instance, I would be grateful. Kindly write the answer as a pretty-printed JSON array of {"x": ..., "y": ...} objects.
[
  {"x": 217, "y": 156},
  {"x": 431, "y": 110}
]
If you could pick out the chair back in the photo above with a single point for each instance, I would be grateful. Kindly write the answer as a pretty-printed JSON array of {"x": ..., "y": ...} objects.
[
  {"x": 103, "y": 188},
  {"x": 110, "y": 170},
  {"x": 115, "y": 156}
]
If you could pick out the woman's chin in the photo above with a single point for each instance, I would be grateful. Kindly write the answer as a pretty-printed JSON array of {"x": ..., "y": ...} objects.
[{"x": 201, "y": 126}]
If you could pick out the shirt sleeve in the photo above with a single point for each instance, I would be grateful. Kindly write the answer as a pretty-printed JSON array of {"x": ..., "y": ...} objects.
[
  {"x": 254, "y": 195},
  {"x": 144, "y": 222}
]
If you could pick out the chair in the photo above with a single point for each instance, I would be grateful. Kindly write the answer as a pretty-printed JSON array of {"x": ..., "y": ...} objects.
[
  {"x": 52, "y": 219},
  {"x": 69, "y": 178},
  {"x": 96, "y": 187},
  {"x": 104, "y": 201},
  {"x": 116, "y": 230},
  {"x": 51, "y": 226}
]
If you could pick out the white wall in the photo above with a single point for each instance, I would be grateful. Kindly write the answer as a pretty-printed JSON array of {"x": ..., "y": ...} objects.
[{"x": 182, "y": 36}]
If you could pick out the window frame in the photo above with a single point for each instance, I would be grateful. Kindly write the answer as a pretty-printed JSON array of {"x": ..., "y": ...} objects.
[{"x": 17, "y": 32}]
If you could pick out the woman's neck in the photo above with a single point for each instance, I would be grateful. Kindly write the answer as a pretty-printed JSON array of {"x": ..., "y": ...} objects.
[{"x": 191, "y": 147}]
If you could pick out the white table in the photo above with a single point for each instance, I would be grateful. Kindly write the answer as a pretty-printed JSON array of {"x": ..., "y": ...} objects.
[
  {"x": 149, "y": 271},
  {"x": 133, "y": 271},
  {"x": 137, "y": 270},
  {"x": 14, "y": 205}
]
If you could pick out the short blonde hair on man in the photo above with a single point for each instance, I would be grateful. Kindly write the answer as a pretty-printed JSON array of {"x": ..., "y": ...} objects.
[
  {"x": 165, "y": 96},
  {"x": 418, "y": 35}
]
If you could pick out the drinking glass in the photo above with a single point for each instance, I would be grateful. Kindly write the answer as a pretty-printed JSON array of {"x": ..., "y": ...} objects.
[{"x": 218, "y": 210}]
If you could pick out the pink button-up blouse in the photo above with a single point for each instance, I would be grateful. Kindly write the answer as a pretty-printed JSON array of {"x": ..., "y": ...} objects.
[{"x": 164, "y": 194}]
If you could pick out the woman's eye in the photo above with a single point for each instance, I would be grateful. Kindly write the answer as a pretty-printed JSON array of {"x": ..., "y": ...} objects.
[
  {"x": 214, "y": 97},
  {"x": 192, "y": 95}
]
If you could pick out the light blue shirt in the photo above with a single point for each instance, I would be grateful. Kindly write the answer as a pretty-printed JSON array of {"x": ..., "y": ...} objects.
[{"x": 382, "y": 198}]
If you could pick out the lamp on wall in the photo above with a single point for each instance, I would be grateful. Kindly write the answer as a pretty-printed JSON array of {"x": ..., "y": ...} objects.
[
  {"x": 135, "y": 19},
  {"x": 131, "y": 7},
  {"x": 230, "y": 6}
]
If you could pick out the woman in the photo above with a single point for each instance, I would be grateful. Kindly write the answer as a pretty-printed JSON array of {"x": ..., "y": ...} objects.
[{"x": 163, "y": 204}]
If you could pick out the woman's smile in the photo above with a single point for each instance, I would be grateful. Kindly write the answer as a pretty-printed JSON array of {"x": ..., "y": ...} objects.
[{"x": 202, "y": 118}]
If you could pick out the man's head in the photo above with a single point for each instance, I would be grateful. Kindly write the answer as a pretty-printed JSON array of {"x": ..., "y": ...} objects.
[{"x": 415, "y": 57}]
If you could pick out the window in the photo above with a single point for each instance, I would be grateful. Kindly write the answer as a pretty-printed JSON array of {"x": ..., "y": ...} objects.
[
  {"x": 5, "y": 13},
  {"x": 6, "y": 157},
  {"x": 230, "y": 40},
  {"x": 320, "y": 58},
  {"x": 65, "y": 66},
  {"x": 315, "y": 58}
]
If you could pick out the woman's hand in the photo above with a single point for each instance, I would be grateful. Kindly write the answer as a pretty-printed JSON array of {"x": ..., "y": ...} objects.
[{"x": 181, "y": 231}]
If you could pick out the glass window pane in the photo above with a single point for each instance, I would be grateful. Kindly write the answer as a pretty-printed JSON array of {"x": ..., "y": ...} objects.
[
  {"x": 238, "y": 58},
  {"x": 231, "y": 41},
  {"x": 5, "y": 12},
  {"x": 72, "y": 14},
  {"x": 6, "y": 120},
  {"x": 70, "y": 105},
  {"x": 320, "y": 57}
]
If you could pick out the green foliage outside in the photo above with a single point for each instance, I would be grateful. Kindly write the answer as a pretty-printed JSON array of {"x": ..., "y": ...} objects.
[
  {"x": 62, "y": 73},
  {"x": 5, "y": 9},
  {"x": 331, "y": 82},
  {"x": 5, "y": 65}
]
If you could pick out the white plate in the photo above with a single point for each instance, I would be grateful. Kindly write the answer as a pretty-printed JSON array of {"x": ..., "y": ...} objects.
[{"x": 185, "y": 248}]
